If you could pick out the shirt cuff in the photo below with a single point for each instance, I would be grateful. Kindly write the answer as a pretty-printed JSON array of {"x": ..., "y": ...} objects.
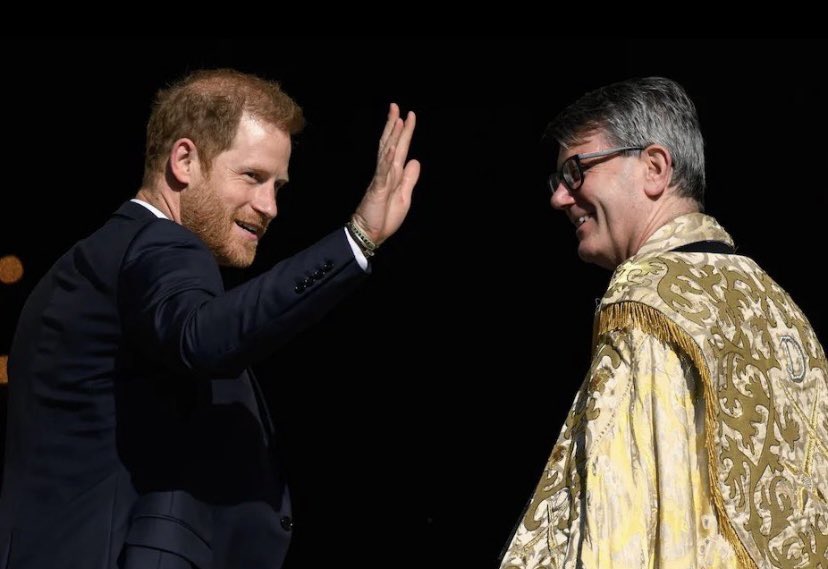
[{"x": 361, "y": 259}]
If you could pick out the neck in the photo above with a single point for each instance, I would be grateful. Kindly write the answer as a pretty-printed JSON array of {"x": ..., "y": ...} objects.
[
  {"x": 664, "y": 212},
  {"x": 164, "y": 199}
]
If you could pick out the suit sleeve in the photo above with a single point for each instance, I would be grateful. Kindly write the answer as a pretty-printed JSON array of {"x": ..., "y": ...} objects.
[{"x": 173, "y": 303}]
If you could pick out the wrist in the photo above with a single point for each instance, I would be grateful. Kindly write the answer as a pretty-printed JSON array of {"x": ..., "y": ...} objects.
[{"x": 360, "y": 237}]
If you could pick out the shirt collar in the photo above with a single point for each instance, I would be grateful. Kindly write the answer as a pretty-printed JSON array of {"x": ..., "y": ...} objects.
[{"x": 152, "y": 208}]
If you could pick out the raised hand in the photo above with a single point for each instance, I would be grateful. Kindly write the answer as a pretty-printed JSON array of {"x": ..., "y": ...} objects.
[{"x": 388, "y": 198}]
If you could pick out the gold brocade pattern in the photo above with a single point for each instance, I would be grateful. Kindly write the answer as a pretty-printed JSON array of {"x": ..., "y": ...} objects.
[
  {"x": 761, "y": 390},
  {"x": 767, "y": 383}
]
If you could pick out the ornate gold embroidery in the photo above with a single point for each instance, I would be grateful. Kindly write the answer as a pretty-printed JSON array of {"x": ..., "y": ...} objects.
[
  {"x": 765, "y": 369},
  {"x": 766, "y": 425},
  {"x": 554, "y": 504}
]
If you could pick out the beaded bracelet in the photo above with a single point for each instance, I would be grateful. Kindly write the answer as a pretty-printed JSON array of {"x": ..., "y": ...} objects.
[{"x": 367, "y": 246}]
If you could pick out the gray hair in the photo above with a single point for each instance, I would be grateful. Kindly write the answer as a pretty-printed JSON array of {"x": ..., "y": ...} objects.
[{"x": 640, "y": 112}]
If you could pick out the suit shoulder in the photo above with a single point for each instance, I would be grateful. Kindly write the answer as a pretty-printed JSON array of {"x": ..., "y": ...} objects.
[
  {"x": 166, "y": 233},
  {"x": 163, "y": 247}
]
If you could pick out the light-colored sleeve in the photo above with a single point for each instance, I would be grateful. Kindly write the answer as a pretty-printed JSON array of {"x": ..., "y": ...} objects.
[
  {"x": 646, "y": 499},
  {"x": 626, "y": 484}
]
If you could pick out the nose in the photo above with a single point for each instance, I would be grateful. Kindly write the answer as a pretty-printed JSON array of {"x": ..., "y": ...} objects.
[
  {"x": 264, "y": 201},
  {"x": 561, "y": 197}
]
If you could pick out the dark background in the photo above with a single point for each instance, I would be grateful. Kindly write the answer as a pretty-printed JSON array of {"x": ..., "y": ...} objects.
[{"x": 419, "y": 414}]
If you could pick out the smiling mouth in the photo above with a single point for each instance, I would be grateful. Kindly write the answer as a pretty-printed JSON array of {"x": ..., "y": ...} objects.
[
  {"x": 254, "y": 230},
  {"x": 581, "y": 220}
]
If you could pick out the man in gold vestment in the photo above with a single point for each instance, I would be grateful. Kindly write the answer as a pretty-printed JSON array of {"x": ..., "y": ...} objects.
[{"x": 699, "y": 437}]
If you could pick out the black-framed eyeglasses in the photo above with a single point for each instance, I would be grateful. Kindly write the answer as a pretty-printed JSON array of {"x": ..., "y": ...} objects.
[{"x": 572, "y": 171}]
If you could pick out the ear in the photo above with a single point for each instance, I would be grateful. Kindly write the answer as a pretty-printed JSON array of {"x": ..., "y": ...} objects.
[
  {"x": 659, "y": 171},
  {"x": 184, "y": 164}
]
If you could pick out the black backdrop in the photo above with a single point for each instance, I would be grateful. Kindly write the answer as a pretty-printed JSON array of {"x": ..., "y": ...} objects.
[{"x": 419, "y": 414}]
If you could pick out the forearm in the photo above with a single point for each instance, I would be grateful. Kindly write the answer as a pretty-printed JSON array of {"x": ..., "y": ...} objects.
[{"x": 175, "y": 308}]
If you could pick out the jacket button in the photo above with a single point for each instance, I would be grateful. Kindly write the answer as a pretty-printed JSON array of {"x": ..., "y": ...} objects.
[
  {"x": 327, "y": 266},
  {"x": 287, "y": 523},
  {"x": 300, "y": 288},
  {"x": 307, "y": 282},
  {"x": 318, "y": 274}
]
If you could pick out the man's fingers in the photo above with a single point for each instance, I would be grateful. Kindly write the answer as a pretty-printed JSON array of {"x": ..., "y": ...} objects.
[
  {"x": 404, "y": 141},
  {"x": 393, "y": 115},
  {"x": 410, "y": 175},
  {"x": 384, "y": 164}
]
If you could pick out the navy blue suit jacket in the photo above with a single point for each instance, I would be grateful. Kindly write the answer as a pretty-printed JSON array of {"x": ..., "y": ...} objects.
[{"x": 135, "y": 429}]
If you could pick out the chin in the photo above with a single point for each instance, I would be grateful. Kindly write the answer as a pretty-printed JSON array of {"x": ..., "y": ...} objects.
[
  {"x": 595, "y": 258},
  {"x": 241, "y": 258},
  {"x": 241, "y": 262},
  {"x": 585, "y": 253},
  {"x": 236, "y": 263}
]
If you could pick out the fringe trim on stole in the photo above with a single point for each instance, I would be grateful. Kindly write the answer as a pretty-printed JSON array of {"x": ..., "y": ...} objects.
[{"x": 618, "y": 316}]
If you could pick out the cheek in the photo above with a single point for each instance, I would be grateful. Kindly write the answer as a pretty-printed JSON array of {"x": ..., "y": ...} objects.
[
  {"x": 227, "y": 205},
  {"x": 620, "y": 231}
]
